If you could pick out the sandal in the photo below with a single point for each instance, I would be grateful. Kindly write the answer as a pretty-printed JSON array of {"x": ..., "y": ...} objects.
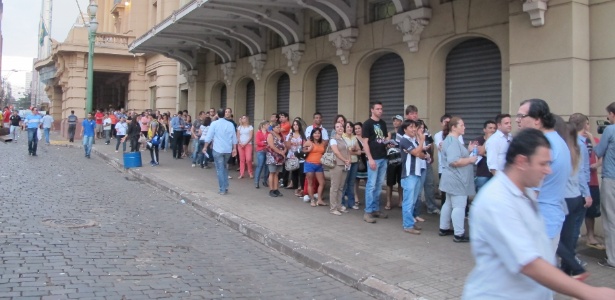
[
  {"x": 419, "y": 219},
  {"x": 596, "y": 246},
  {"x": 388, "y": 207},
  {"x": 322, "y": 204},
  {"x": 313, "y": 203}
]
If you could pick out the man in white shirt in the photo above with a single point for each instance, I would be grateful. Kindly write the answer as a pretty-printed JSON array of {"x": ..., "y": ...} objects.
[
  {"x": 47, "y": 126},
  {"x": 224, "y": 137},
  {"x": 513, "y": 254},
  {"x": 317, "y": 124},
  {"x": 497, "y": 145}
]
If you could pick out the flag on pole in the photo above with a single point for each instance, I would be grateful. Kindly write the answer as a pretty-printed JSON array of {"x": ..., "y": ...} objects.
[{"x": 42, "y": 33}]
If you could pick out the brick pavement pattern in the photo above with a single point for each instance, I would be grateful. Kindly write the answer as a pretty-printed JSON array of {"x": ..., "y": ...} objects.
[{"x": 145, "y": 245}]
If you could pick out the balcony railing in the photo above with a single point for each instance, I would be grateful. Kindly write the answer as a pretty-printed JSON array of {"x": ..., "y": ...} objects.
[{"x": 112, "y": 40}]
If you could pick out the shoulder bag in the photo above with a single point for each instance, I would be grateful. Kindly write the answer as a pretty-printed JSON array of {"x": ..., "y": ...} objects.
[{"x": 328, "y": 158}]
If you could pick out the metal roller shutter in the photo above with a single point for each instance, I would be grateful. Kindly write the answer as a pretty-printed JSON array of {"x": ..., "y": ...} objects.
[
  {"x": 223, "y": 97},
  {"x": 386, "y": 84},
  {"x": 250, "y": 94},
  {"x": 326, "y": 95},
  {"x": 283, "y": 94},
  {"x": 474, "y": 84}
]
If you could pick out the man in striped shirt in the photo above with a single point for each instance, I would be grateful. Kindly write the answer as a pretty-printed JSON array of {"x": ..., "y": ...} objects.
[{"x": 413, "y": 168}]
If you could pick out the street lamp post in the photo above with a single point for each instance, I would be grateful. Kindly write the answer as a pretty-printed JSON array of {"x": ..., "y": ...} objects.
[{"x": 92, "y": 8}]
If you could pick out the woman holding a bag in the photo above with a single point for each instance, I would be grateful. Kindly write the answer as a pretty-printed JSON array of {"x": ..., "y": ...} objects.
[
  {"x": 313, "y": 167},
  {"x": 275, "y": 158},
  {"x": 294, "y": 142},
  {"x": 341, "y": 150}
]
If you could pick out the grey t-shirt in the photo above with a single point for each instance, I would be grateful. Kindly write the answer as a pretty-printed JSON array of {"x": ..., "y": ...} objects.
[{"x": 456, "y": 181}]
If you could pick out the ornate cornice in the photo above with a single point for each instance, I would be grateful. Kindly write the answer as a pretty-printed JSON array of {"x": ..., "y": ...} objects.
[
  {"x": 342, "y": 41},
  {"x": 293, "y": 54},
  {"x": 411, "y": 24},
  {"x": 258, "y": 63},
  {"x": 536, "y": 9}
]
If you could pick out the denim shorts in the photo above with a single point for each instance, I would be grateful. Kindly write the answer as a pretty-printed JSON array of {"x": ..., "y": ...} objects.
[{"x": 310, "y": 167}]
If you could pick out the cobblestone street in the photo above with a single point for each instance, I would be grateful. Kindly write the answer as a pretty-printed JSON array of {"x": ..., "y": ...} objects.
[{"x": 144, "y": 243}]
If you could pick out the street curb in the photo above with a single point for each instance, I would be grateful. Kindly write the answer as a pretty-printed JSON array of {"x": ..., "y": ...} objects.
[{"x": 359, "y": 279}]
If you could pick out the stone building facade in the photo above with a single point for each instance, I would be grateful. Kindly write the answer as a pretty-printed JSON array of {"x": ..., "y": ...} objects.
[{"x": 469, "y": 58}]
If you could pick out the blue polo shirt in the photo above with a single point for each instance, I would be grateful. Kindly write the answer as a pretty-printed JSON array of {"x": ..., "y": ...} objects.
[
  {"x": 34, "y": 121},
  {"x": 88, "y": 127}
]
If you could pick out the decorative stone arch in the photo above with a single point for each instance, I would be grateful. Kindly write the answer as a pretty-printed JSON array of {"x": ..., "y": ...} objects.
[
  {"x": 309, "y": 88},
  {"x": 216, "y": 94},
  {"x": 362, "y": 80},
  {"x": 271, "y": 92},
  {"x": 437, "y": 72},
  {"x": 239, "y": 104}
]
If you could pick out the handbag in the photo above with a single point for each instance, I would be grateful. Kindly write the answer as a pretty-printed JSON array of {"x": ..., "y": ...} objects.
[
  {"x": 142, "y": 139},
  {"x": 328, "y": 158},
  {"x": 291, "y": 164}
]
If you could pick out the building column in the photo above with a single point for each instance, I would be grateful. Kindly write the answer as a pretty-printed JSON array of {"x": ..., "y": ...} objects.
[
  {"x": 555, "y": 54},
  {"x": 137, "y": 86}
]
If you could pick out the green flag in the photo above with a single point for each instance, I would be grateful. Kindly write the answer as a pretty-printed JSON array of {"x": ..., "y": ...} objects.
[{"x": 42, "y": 33}]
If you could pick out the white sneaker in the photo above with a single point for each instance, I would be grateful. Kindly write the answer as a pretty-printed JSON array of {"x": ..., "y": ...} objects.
[
  {"x": 306, "y": 198},
  {"x": 193, "y": 165},
  {"x": 343, "y": 209}
]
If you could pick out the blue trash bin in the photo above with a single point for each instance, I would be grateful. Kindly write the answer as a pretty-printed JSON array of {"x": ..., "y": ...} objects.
[{"x": 132, "y": 160}]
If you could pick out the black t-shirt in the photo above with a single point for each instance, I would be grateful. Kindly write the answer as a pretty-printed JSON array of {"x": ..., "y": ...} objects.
[
  {"x": 15, "y": 119},
  {"x": 482, "y": 170},
  {"x": 376, "y": 132}
]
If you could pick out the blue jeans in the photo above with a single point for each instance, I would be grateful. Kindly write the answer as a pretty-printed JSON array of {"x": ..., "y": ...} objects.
[
  {"x": 412, "y": 189},
  {"x": 46, "y": 132},
  {"x": 568, "y": 237},
  {"x": 220, "y": 161},
  {"x": 349, "y": 185},
  {"x": 164, "y": 141},
  {"x": 87, "y": 144},
  {"x": 479, "y": 181},
  {"x": 32, "y": 140},
  {"x": 261, "y": 157},
  {"x": 428, "y": 189},
  {"x": 195, "y": 147},
  {"x": 373, "y": 188},
  {"x": 200, "y": 156}
]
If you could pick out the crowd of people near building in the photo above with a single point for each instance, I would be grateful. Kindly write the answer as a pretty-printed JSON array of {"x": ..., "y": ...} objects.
[{"x": 543, "y": 182}]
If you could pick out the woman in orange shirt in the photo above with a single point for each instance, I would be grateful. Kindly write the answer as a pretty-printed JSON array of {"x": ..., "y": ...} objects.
[{"x": 312, "y": 167}]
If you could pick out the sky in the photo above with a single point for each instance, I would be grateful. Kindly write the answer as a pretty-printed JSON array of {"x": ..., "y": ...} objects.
[{"x": 20, "y": 24}]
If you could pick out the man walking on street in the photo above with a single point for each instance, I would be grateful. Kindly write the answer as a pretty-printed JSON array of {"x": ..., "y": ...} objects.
[
  {"x": 15, "y": 121},
  {"x": 375, "y": 141},
  {"x": 33, "y": 123},
  {"x": 535, "y": 113},
  {"x": 72, "y": 125},
  {"x": 47, "y": 126},
  {"x": 222, "y": 133},
  {"x": 606, "y": 150},
  {"x": 88, "y": 126}
]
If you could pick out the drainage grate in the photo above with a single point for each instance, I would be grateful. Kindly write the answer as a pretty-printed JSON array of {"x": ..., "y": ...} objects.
[{"x": 70, "y": 223}]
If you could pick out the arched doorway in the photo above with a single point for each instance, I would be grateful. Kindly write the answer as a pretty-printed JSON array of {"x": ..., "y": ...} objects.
[
  {"x": 326, "y": 95},
  {"x": 250, "y": 95},
  {"x": 474, "y": 84},
  {"x": 386, "y": 84},
  {"x": 283, "y": 103}
]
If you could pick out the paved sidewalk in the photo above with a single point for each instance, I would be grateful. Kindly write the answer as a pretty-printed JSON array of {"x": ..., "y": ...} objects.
[{"x": 378, "y": 258}]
